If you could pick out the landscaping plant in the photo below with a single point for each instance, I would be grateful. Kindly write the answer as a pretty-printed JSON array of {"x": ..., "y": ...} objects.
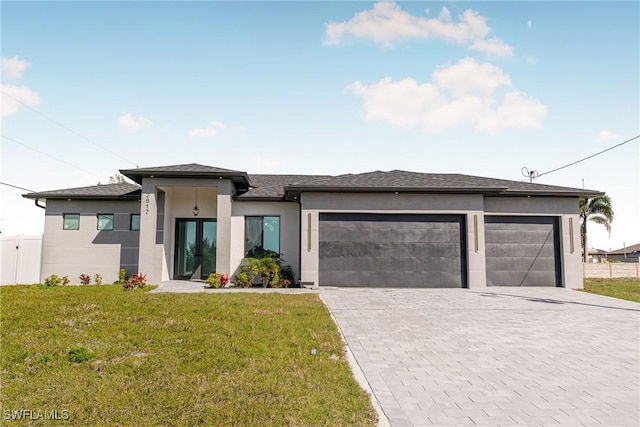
[
  {"x": 217, "y": 280},
  {"x": 138, "y": 280}
]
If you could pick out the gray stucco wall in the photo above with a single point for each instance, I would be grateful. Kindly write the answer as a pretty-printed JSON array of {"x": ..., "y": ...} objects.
[
  {"x": 289, "y": 214},
  {"x": 469, "y": 205},
  {"x": 567, "y": 210},
  {"x": 89, "y": 250}
]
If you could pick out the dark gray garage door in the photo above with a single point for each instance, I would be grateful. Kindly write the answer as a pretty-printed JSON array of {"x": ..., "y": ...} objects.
[
  {"x": 371, "y": 250},
  {"x": 522, "y": 251}
]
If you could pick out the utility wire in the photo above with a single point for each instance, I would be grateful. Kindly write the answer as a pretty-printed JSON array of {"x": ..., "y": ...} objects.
[
  {"x": 49, "y": 155},
  {"x": 68, "y": 128},
  {"x": 587, "y": 158},
  {"x": 15, "y": 186}
]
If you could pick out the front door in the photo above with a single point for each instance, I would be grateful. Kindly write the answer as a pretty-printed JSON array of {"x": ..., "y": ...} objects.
[{"x": 195, "y": 248}]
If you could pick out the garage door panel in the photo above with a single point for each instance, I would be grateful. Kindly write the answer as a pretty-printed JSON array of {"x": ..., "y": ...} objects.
[
  {"x": 391, "y": 250},
  {"x": 522, "y": 251},
  {"x": 520, "y": 264}
]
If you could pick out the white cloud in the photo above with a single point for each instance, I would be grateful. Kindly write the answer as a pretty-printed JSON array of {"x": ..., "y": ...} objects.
[
  {"x": 606, "y": 136},
  {"x": 529, "y": 24},
  {"x": 211, "y": 131},
  {"x": 129, "y": 121},
  {"x": 387, "y": 24},
  {"x": 12, "y": 68},
  {"x": 518, "y": 110},
  {"x": 468, "y": 77},
  {"x": 465, "y": 93},
  {"x": 21, "y": 93},
  {"x": 492, "y": 47}
]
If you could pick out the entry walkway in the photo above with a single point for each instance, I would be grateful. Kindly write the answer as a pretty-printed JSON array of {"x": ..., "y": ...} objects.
[
  {"x": 187, "y": 286},
  {"x": 500, "y": 357}
]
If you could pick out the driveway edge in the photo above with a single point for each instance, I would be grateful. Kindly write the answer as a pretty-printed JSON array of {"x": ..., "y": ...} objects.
[{"x": 383, "y": 421}]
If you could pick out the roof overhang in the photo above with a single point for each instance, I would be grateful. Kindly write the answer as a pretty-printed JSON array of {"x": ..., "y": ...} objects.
[
  {"x": 240, "y": 179},
  {"x": 135, "y": 195}
]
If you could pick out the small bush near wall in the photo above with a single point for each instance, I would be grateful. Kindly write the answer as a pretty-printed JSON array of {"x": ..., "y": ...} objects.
[
  {"x": 122, "y": 277},
  {"x": 54, "y": 280},
  {"x": 217, "y": 280},
  {"x": 138, "y": 280},
  {"x": 97, "y": 279},
  {"x": 85, "y": 279}
]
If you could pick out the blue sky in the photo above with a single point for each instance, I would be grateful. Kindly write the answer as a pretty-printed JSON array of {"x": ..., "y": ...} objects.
[{"x": 481, "y": 88}]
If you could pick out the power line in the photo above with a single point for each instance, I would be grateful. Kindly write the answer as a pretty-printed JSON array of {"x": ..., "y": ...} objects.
[
  {"x": 68, "y": 128},
  {"x": 532, "y": 174},
  {"x": 589, "y": 157},
  {"x": 53, "y": 157},
  {"x": 15, "y": 186}
]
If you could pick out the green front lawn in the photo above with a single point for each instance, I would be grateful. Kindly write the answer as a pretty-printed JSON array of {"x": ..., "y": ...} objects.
[
  {"x": 175, "y": 359},
  {"x": 628, "y": 289}
]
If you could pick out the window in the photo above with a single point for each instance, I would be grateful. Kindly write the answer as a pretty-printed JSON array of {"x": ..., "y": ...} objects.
[
  {"x": 261, "y": 233},
  {"x": 71, "y": 221},
  {"x": 134, "y": 224},
  {"x": 105, "y": 221}
]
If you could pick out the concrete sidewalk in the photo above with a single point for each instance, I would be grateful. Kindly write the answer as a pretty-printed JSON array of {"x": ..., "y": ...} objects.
[
  {"x": 496, "y": 357},
  {"x": 187, "y": 286}
]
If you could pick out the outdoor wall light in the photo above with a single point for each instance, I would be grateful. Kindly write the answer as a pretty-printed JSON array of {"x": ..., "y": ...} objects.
[{"x": 195, "y": 210}]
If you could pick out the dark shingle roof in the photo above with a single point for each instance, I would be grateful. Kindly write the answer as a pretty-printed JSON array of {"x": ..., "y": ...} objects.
[
  {"x": 122, "y": 190},
  {"x": 272, "y": 186},
  {"x": 189, "y": 170},
  {"x": 275, "y": 187},
  {"x": 626, "y": 250},
  {"x": 429, "y": 182}
]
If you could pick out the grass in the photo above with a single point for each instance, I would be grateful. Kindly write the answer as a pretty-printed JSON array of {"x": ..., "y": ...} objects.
[
  {"x": 110, "y": 357},
  {"x": 627, "y": 288}
]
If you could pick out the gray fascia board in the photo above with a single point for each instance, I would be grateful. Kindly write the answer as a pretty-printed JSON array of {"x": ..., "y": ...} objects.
[
  {"x": 259, "y": 199},
  {"x": 587, "y": 194},
  {"x": 137, "y": 176},
  {"x": 350, "y": 189},
  {"x": 36, "y": 196}
]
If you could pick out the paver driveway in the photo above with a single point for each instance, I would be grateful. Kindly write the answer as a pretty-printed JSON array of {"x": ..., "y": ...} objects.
[{"x": 504, "y": 356}]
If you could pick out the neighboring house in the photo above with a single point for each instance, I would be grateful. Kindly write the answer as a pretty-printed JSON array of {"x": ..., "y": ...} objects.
[
  {"x": 626, "y": 254},
  {"x": 377, "y": 229},
  {"x": 597, "y": 255}
]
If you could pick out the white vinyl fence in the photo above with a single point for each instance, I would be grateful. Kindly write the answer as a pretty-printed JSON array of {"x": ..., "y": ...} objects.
[
  {"x": 21, "y": 258},
  {"x": 610, "y": 270}
]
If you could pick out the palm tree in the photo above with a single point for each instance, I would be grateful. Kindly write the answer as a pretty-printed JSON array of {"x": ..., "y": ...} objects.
[{"x": 598, "y": 210}]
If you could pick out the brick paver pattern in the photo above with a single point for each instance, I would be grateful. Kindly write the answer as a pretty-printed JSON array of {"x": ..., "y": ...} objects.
[{"x": 495, "y": 357}]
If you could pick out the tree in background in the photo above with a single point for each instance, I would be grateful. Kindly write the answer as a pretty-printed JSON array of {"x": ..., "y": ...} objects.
[
  {"x": 598, "y": 210},
  {"x": 115, "y": 179}
]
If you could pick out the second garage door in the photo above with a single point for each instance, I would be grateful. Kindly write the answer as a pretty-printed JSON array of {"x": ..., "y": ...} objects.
[
  {"x": 522, "y": 251},
  {"x": 385, "y": 250}
]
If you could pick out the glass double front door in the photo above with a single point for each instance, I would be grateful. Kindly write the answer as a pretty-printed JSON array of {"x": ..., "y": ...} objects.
[{"x": 195, "y": 248}]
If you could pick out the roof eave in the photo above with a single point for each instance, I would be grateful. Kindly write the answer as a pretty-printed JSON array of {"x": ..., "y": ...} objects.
[
  {"x": 137, "y": 176},
  {"x": 553, "y": 193},
  {"x": 35, "y": 196},
  {"x": 350, "y": 189}
]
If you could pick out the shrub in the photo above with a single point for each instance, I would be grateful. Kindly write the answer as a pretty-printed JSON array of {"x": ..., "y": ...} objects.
[
  {"x": 53, "y": 280},
  {"x": 65, "y": 280},
  {"x": 246, "y": 273},
  {"x": 217, "y": 280},
  {"x": 85, "y": 279},
  {"x": 97, "y": 279},
  {"x": 122, "y": 276},
  {"x": 79, "y": 354},
  {"x": 138, "y": 280},
  {"x": 287, "y": 274}
]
